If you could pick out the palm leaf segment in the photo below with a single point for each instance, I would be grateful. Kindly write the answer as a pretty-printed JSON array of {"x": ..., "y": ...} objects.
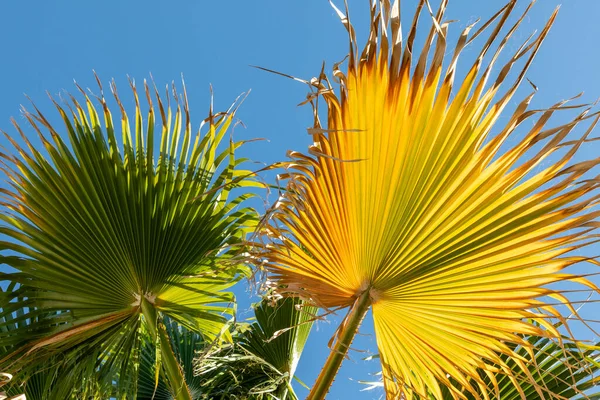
[
  {"x": 564, "y": 370},
  {"x": 4, "y": 379},
  {"x": 103, "y": 231},
  {"x": 186, "y": 345},
  {"x": 409, "y": 205},
  {"x": 47, "y": 381}
]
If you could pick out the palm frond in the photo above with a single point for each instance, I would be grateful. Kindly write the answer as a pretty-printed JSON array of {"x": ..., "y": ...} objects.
[
  {"x": 111, "y": 228},
  {"x": 566, "y": 371},
  {"x": 280, "y": 332},
  {"x": 186, "y": 344},
  {"x": 5, "y": 379},
  {"x": 409, "y": 204},
  {"x": 262, "y": 360},
  {"x": 43, "y": 381}
]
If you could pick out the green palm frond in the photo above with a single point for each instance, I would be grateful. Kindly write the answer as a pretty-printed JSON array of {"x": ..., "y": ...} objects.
[
  {"x": 186, "y": 344},
  {"x": 42, "y": 382},
  {"x": 4, "y": 380},
  {"x": 111, "y": 231},
  {"x": 63, "y": 380},
  {"x": 565, "y": 370},
  {"x": 261, "y": 362},
  {"x": 280, "y": 332}
]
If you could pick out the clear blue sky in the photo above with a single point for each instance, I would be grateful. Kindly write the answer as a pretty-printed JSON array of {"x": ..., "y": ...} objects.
[{"x": 47, "y": 44}]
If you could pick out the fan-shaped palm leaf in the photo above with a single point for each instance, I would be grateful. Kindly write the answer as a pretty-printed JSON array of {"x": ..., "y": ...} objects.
[
  {"x": 409, "y": 205},
  {"x": 261, "y": 362},
  {"x": 113, "y": 233}
]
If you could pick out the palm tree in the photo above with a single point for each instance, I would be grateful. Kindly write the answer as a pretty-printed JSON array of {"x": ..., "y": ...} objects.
[
  {"x": 110, "y": 233},
  {"x": 413, "y": 202}
]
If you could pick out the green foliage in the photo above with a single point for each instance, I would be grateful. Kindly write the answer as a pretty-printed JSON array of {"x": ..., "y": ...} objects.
[
  {"x": 43, "y": 381},
  {"x": 186, "y": 344},
  {"x": 108, "y": 234},
  {"x": 261, "y": 362}
]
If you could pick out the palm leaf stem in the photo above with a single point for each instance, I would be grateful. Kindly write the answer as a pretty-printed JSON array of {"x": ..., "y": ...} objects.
[
  {"x": 174, "y": 374},
  {"x": 340, "y": 348}
]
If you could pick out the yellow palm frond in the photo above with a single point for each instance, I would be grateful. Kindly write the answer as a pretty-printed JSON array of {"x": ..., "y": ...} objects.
[{"x": 407, "y": 203}]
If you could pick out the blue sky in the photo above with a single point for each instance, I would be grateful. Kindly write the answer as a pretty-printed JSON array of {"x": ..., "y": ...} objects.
[{"x": 47, "y": 44}]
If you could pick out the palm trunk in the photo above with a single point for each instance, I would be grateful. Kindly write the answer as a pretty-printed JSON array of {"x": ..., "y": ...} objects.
[
  {"x": 172, "y": 369},
  {"x": 341, "y": 346}
]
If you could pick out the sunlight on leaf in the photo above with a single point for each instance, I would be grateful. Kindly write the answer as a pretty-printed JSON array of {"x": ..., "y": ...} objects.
[
  {"x": 105, "y": 223},
  {"x": 408, "y": 203}
]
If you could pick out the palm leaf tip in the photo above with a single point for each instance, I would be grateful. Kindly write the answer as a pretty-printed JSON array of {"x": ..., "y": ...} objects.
[
  {"x": 102, "y": 220},
  {"x": 406, "y": 194}
]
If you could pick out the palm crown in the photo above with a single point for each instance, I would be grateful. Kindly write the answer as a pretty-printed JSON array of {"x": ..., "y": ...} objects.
[
  {"x": 108, "y": 238},
  {"x": 124, "y": 241},
  {"x": 407, "y": 204}
]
